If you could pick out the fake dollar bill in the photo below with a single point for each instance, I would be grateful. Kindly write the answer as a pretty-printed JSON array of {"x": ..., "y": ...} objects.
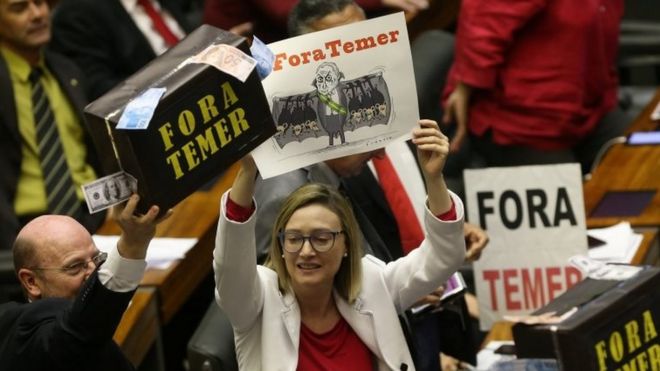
[{"x": 109, "y": 190}]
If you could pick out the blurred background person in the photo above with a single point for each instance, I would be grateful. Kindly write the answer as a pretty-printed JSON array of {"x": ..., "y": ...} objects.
[
  {"x": 267, "y": 19},
  {"x": 111, "y": 39},
  {"x": 535, "y": 82},
  {"x": 47, "y": 154}
]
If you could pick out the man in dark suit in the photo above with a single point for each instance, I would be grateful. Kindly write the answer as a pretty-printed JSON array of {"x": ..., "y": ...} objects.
[
  {"x": 74, "y": 306},
  {"x": 111, "y": 39},
  {"x": 24, "y": 32}
]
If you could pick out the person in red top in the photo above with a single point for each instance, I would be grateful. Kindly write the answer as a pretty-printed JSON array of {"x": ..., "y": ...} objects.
[
  {"x": 535, "y": 81},
  {"x": 268, "y": 18},
  {"x": 318, "y": 304}
]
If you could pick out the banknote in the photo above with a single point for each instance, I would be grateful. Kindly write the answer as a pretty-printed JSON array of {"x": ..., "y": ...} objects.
[
  {"x": 227, "y": 59},
  {"x": 140, "y": 110},
  {"x": 599, "y": 270},
  {"x": 264, "y": 57},
  {"x": 109, "y": 190}
]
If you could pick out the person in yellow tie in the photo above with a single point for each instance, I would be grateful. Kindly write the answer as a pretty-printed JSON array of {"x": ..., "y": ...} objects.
[{"x": 46, "y": 152}]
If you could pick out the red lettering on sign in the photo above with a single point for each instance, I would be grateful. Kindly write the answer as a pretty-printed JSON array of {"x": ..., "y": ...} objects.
[
  {"x": 528, "y": 288},
  {"x": 510, "y": 288},
  {"x": 533, "y": 288},
  {"x": 491, "y": 277}
]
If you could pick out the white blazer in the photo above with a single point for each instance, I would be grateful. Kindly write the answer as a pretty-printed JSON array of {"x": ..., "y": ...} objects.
[{"x": 267, "y": 324}]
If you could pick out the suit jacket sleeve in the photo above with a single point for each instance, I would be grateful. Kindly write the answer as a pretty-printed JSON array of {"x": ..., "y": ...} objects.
[
  {"x": 239, "y": 292},
  {"x": 56, "y": 330},
  {"x": 10, "y": 160}
]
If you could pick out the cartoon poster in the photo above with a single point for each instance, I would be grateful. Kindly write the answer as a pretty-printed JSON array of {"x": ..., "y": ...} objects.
[{"x": 337, "y": 92}]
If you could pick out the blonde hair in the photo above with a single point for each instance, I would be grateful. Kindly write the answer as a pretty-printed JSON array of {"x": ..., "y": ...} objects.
[{"x": 348, "y": 279}]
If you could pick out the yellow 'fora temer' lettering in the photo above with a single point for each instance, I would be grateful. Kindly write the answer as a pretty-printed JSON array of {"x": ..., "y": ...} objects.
[
  {"x": 623, "y": 343},
  {"x": 208, "y": 142},
  {"x": 217, "y": 132},
  {"x": 187, "y": 120}
]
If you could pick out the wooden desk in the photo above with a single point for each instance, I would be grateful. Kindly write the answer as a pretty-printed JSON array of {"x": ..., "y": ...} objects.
[
  {"x": 139, "y": 329},
  {"x": 628, "y": 168},
  {"x": 501, "y": 331},
  {"x": 648, "y": 250}
]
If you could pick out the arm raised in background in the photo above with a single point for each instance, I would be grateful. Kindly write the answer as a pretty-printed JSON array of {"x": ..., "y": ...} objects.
[{"x": 456, "y": 111}]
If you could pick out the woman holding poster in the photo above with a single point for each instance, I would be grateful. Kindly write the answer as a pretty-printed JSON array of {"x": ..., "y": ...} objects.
[{"x": 318, "y": 302}]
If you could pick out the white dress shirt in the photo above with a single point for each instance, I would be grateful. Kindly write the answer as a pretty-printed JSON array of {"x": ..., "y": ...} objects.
[
  {"x": 120, "y": 274},
  {"x": 143, "y": 22}
]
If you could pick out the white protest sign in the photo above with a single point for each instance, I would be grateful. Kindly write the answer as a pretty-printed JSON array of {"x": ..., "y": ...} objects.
[
  {"x": 534, "y": 216},
  {"x": 337, "y": 92}
]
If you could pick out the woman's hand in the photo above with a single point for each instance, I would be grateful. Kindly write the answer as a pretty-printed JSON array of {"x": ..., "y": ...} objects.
[
  {"x": 432, "y": 148},
  {"x": 242, "y": 190}
]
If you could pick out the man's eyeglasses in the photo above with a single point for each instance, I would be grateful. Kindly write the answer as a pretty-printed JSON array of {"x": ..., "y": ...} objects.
[
  {"x": 76, "y": 268},
  {"x": 321, "y": 241}
]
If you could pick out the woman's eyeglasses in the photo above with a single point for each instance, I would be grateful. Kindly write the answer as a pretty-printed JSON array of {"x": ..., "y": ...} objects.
[{"x": 321, "y": 241}]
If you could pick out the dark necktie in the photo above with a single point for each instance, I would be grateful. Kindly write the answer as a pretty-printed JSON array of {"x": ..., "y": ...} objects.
[
  {"x": 410, "y": 229},
  {"x": 60, "y": 191},
  {"x": 158, "y": 23}
]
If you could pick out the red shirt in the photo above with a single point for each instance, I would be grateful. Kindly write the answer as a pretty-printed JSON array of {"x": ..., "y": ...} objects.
[
  {"x": 545, "y": 69},
  {"x": 337, "y": 349}
]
